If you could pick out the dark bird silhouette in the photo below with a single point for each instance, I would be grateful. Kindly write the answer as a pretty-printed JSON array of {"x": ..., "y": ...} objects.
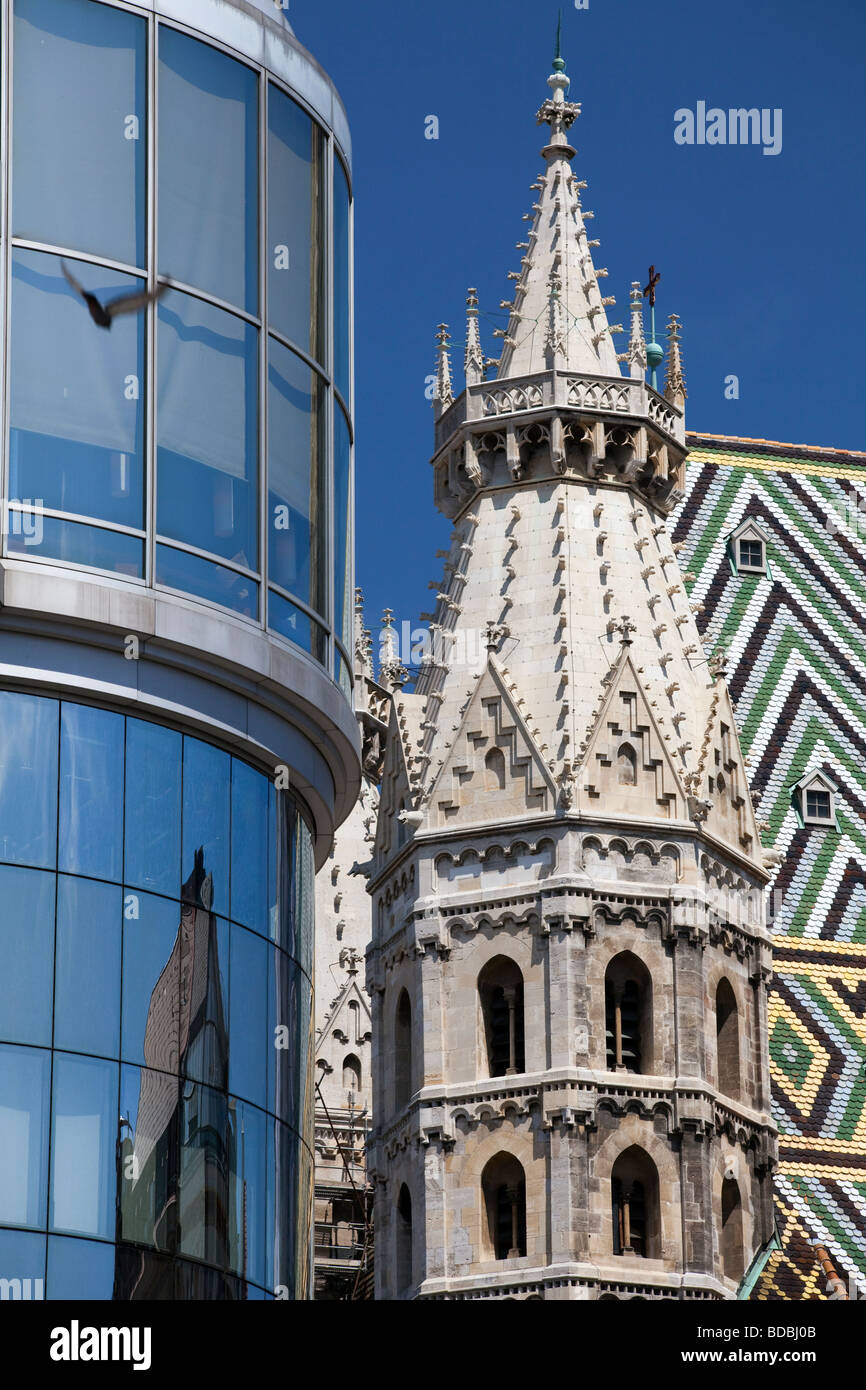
[
  {"x": 104, "y": 314},
  {"x": 654, "y": 277}
]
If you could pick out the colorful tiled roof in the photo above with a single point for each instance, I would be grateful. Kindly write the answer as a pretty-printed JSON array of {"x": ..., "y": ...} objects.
[{"x": 796, "y": 644}]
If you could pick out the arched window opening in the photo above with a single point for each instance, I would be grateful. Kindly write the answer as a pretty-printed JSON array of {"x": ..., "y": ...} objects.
[
  {"x": 628, "y": 1014},
  {"x": 351, "y": 1073},
  {"x": 494, "y": 763},
  {"x": 500, "y": 994},
  {"x": 355, "y": 1016},
  {"x": 727, "y": 1040},
  {"x": 403, "y": 1052},
  {"x": 404, "y": 1240},
  {"x": 503, "y": 1185},
  {"x": 733, "y": 1254},
  {"x": 635, "y": 1205},
  {"x": 626, "y": 766}
]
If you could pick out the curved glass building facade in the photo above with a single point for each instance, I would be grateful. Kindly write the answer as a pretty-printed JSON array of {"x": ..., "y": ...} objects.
[
  {"x": 177, "y": 742},
  {"x": 202, "y": 447},
  {"x": 155, "y": 1010}
]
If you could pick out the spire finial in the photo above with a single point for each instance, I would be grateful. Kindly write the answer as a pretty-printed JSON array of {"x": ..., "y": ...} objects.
[
  {"x": 443, "y": 394},
  {"x": 675, "y": 381},
  {"x": 654, "y": 350},
  {"x": 558, "y": 60},
  {"x": 392, "y": 672},
  {"x": 556, "y": 111},
  {"x": 473, "y": 358},
  {"x": 636, "y": 355}
]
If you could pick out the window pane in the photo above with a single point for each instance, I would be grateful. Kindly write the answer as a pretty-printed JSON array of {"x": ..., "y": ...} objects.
[
  {"x": 290, "y": 1187},
  {"x": 297, "y": 480},
  {"x": 77, "y": 436},
  {"x": 303, "y": 884},
  {"x": 83, "y": 1143},
  {"x": 343, "y": 675},
  {"x": 22, "y": 1258},
  {"x": 251, "y": 1224},
  {"x": 342, "y": 283},
  {"x": 153, "y": 770},
  {"x": 151, "y": 982},
  {"x": 296, "y": 626},
  {"x": 80, "y": 127},
  {"x": 206, "y": 1150},
  {"x": 28, "y": 779},
  {"x": 206, "y": 799},
  {"x": 26, "y": 955},
  {"x": 207, "y": 429},
  {"x": 87, "y": 1006},
  {"x": 149, "y": 1103},
  {"x": 24, "y": 1074},
  {"x": 208, "y": 160},
  {"x": 204, "y": 1001},
  {"x": 289, "y": 1006},
  {"x": 342, "y": 530},
  {"x": 177, "y": 569},
  {"x": 79, "y": 545},
  {"x": 296, "y": 224},
  {"x": 91, "y": 792},
  {"x": 79, "y": 1269},
  {"x": 249, "y": 847},
  {"x": 249, "y": 1040}
]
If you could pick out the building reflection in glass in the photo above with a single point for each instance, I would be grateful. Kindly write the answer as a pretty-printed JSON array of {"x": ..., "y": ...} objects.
[
  {"x": 143, "y": 1100},
  {"x": 177, "y": 1158}
]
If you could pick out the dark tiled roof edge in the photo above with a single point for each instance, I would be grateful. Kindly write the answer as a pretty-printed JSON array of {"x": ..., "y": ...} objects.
[{"x": 773, "y": 448}]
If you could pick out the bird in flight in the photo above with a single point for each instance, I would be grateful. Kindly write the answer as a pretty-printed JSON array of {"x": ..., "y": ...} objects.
[{"x": 104, "y": 314}]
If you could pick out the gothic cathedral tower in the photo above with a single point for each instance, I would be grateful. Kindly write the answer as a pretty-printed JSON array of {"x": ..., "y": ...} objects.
[{"x": 569, "y": 964}]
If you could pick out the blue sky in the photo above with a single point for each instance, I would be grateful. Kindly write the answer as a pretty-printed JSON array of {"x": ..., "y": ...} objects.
[{"x": 761, "y": 256}]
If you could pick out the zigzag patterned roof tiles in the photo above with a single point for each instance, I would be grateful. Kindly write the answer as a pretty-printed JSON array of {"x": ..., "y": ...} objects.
[{"x": 796, "y": 644}]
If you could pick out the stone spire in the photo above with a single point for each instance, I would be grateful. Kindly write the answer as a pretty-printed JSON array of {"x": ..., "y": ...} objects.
[
  {"x": 636, "y": 354},
  {"x": 558, "y": 245},
  {"x": 363, "y": 644},
  {"x": 675, "y": 381},
  {"x": 392, "y": 673},
  {"x": 473, "y": 358},
  {"x": 565, "y": 813},
  {"x": 443, "y": 394}
]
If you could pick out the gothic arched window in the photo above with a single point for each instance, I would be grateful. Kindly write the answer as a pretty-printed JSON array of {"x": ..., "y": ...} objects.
[
  {"x": 733, "y": 1257},
  {"x": 626, "y": 766},
  {"x": 402, "y": 1051},
  {"x": 635, "y": 1204},
  {"x": 500, "y": 994},
  {"x": 503, "y": 1187},
  {"x": 727, "y": 1040},
  {"x": 494, "y": 763},
  {"x": 351, "y": 1073},
  {"x": 404, "y": 1240},
  {"x": 628, "y": 1014}
]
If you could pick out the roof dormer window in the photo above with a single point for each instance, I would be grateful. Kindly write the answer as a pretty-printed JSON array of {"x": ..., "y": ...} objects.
[
  {"x": 815, "y": 799},
  {"x": 748, "y": 548}
]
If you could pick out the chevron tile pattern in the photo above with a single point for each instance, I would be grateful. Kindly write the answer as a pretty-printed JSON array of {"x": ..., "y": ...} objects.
[{"x": 796, "y": 645}]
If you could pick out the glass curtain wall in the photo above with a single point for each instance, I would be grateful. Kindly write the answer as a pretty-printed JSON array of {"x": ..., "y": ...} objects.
[
  {"x": 156, "y": 947},
  {"x": 201, "y": 445}
]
